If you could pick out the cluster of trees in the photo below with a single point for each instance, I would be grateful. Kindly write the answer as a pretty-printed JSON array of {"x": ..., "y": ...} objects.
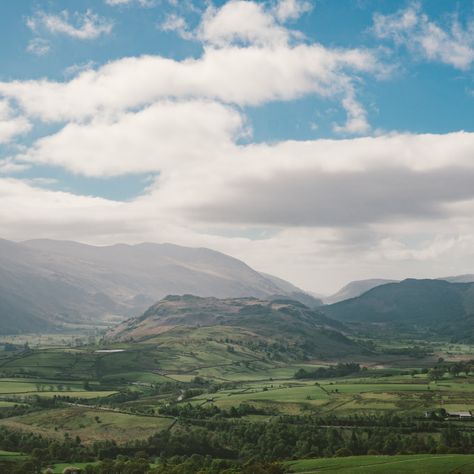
[
  {"x": 212, "y": 411},
  {"x": 339, "y": 370},
  {"x": 454, "y": 369}
]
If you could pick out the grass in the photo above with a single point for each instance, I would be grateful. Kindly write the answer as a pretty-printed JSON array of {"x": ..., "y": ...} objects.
[
  {"x": 59, "y": 468},
  {"x": 347, "y": 396},
  {"x": 11, "y": 456},
  {"x": 47, "y": 388},
  {"x": 416, "y": 464},
  {"x": 88, "y": 423}
]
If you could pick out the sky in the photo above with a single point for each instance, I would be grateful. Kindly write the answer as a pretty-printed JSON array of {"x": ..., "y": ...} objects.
[{"x": 321, "y": 141}]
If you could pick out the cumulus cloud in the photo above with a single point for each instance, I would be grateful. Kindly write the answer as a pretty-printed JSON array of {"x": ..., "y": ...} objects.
[
  {"x": 164, "y": 136},
  {"x": 178, "y": 25},
  {"x": 242, "y": 22},
  {"x": 11, "y": 125},
  {"x": 242, "y": 76},
  {"x": 291, "y": 9},
  {"x": 411, "y": 28},
  {"x": 85, "y": 26}
]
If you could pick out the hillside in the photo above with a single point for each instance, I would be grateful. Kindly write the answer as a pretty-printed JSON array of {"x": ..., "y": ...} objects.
[
  {"x": 355, "y": 289},
  {"x": 419, "y": 303},
  {"x": 47, "y": 284},
  {"x": 287, "y": 321}
]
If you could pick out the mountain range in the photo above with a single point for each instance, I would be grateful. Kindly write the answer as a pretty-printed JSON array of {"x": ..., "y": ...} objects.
[
  {"x": 437, "y": 305},
  {"x": 49, "y": 285}
]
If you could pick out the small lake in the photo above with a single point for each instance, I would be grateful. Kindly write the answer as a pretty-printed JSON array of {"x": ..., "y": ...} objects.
[{"x": 110, "y": 351}]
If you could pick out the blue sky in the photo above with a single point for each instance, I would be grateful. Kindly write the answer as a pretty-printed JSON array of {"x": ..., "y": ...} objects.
[{"x": 121, "y": 111}]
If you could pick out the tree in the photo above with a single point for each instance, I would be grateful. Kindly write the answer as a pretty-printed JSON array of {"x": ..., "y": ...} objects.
[{"x": 436, "y": 373}]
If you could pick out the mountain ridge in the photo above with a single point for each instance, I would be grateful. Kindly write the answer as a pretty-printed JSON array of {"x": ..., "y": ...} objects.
[
  {"x": 47, "y": 284},
  {"x": 418, "y": 303}
]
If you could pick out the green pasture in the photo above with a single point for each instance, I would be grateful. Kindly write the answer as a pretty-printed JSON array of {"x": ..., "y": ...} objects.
[
  {"x": 416, "y": 464},
  {"x": 346, "y": 396},
  {"x": 59, "y": 468},
  {"x": 11, "y": 455},
  {"x": 88, "y": 423}
]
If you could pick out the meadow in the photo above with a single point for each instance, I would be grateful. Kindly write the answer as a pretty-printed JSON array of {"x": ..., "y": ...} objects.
[{"x": 416, "y": 464}]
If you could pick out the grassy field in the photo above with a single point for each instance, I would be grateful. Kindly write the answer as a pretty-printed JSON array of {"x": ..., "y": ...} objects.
[
  {"x": 59, "y": 468},
  {"x": 11, "y": 456},
  {"x": 88, "y": 423},
  {"x": 47, "y": 388},
  {"x": 416, "y": 464}
]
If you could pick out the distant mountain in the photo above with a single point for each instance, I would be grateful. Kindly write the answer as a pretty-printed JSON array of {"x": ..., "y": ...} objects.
[
  {"x": 293, "y": 292},
  {"x": 289, "y": 321},
  {"x": 354, "y": 289},
  {"x": 468, "y": 278},
  {"x": 419, "y": 303},
  {"x": 47, "y": 284}
]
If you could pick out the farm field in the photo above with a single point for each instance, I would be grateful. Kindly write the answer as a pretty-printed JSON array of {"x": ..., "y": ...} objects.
[
  {"x": 47, "y": 388},
  {"x": 416, "y": 464},
  {"x": 88, "y": 423},
  {"x": 351, "y": 395}
]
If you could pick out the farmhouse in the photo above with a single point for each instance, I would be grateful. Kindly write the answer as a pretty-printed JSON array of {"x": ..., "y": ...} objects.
[{"x": 461, "y": 415}]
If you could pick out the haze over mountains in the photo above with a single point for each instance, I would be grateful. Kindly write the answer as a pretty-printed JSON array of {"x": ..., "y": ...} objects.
[{"x": 47, "y": 284}]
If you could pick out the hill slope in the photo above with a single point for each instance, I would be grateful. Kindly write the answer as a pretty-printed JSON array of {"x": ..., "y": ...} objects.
[
  {"x": 355, "y": 289},
  {"x": 47, "y": 284},
  {"x": 287, "y": 321},
  {"x": 422, "y": 303}
]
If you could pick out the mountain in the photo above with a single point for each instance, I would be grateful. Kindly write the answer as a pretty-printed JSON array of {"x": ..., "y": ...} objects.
[
  {"x": 354, "y": 289},
  {"x": 285, "y": 320},
  {"x": 468, "y": 278},
  {"x": 431, "y": 304},
  {"x": 289, "y": 290},
  {"x": 47, "y": 284}
]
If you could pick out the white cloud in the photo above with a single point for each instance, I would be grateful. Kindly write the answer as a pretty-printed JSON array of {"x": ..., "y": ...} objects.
[
  {"x": 39, "y": 46},
  {"x": 411, "y": 28},
  {"x": 85, "y": 26},
  {"x": 242, "y": 76},
  {"x": 164, "y": 136},
  {"x": 177, "y": 24},
  {"x": 10, "y": 124},
  {"x": 242, "y": 22},
  {"x": 143, "y": 3},
  {"x": 9, "y": 166},
  {"x": 291, "y": 9}
]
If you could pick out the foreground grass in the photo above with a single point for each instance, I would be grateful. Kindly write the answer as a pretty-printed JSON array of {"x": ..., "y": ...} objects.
[{"x": 419, "y": 464}]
